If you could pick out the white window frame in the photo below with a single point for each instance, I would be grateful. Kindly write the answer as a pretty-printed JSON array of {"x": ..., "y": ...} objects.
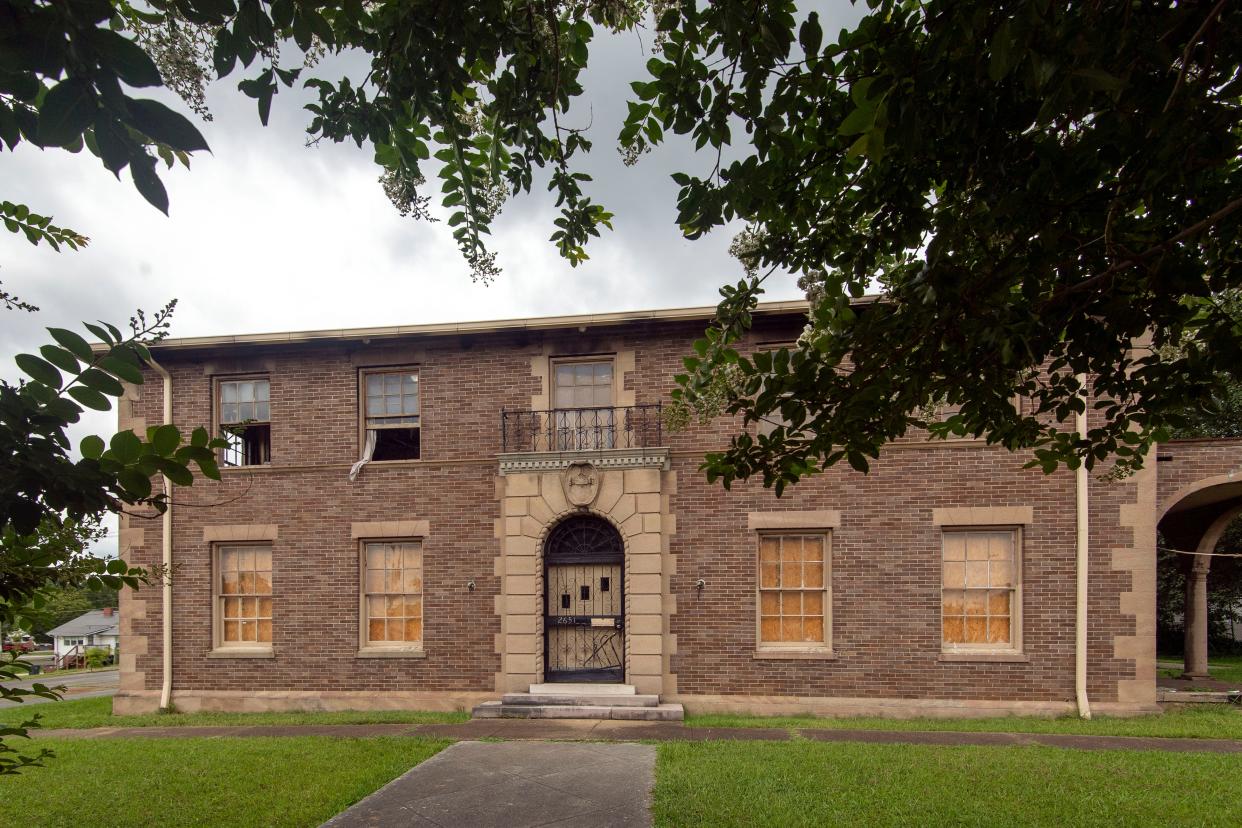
[
  {"x": 793, "y": 648},
  {"x": 1014, "y": 646},
  {"x": 394, "y": 649},
  {"x": 217, "y": 406},
  {"x": 219, "y": 645},
  {"x": 363, "y": 373}
]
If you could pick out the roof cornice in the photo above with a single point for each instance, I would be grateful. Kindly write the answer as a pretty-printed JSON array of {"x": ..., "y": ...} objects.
[{"x": 538, "y": 323}]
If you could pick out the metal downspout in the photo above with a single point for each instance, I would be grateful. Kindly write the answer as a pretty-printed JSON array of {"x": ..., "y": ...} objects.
[
  {"x": 166, "y": 614},
  {"x": 1083, "y": 559}
]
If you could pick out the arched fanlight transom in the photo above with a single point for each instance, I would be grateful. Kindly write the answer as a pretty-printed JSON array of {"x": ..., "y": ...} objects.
[{"x": 583, "y": 539}]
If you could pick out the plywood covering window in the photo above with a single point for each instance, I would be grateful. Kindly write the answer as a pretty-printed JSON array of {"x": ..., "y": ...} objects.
[
  {"x": 392, "y": 415},
  {"x": 243, "y": 595},
  {"x": 392, "y": 599},
  {"x": 980, "y": 605},
  {"x": 794, "y": 579},
  {"x": 243, "y": 412}
]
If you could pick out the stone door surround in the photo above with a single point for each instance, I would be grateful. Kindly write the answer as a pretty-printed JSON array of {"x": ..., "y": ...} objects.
[{"x": 634, "y": 497}]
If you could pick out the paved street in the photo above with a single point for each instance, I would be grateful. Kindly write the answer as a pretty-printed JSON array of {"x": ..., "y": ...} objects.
[{"x": 80, "y": 685}]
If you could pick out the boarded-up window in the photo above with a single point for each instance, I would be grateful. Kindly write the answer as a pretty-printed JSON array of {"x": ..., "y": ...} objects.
[
  {"x": 980, "y": 583},
  {"x": 244, "y": 593},
  {"x": 392, "y": 594},
  {"x": 793, "y": 590}
]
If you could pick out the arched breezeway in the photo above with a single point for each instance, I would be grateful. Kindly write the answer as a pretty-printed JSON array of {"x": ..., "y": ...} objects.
[{"x": 1195, "y": 508}]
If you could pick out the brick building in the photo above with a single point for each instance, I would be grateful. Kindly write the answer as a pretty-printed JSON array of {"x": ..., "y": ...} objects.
[{"x": 430, "y": 516}]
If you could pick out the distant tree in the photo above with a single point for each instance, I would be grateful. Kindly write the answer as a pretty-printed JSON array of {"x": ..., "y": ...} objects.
[{"x": 63, "y": 604}]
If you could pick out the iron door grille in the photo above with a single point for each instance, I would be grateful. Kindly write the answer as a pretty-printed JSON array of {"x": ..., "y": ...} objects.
[{"x": 584, "y": 615}]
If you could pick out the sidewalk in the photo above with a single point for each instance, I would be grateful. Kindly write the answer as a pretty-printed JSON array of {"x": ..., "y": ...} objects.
[
  {"x": 516, "y": 785},
  {"x": 571, "y": 730}
]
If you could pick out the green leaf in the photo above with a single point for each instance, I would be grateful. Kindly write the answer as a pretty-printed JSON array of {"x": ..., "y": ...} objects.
[
  {"x": 1004, "y": 52},
  {"x": 136, "y": 484},
  {"x": 61, "y": 358},
  {"x": 66, "y": 112},
  {"x": 224, "y": 55},
  {"x": 100, "y": 332},
  {"x": 113, "y": 141},
  {"x": 209, "y": 469},
  {"x": 860, "y": 120},
  {"x": 92, "y": 447},
  {"x": 166, "y": 439},
  {"x": 810, "y": 35},
  {"x": 101, "y": 382},
  {"x": 175, "y": 472},
  {"x": 39, "y": 369},
  {"x": 121, "y": 369},
  {"x": 90, "y": 398},
  {"x": 149, "y": 184},
  {"x": 125, "y": 57},
  {"x": 154, "y": 119},
  {"x": 126, "y": 446},
  {"x": 74, "y": 342}
]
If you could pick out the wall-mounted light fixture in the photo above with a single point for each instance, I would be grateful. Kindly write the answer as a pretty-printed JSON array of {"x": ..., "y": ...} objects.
[
  {"x": 699, "y": 584},
  {"x": 470, "y": 585}
]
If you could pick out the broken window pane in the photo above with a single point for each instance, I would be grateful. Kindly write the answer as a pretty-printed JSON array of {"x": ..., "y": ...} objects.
[
  {"x": 244, "y": 415},
  {"x": 392, "y": 413}
]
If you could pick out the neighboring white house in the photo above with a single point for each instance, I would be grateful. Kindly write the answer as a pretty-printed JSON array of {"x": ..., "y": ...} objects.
[{"x": 97, "y": 628}]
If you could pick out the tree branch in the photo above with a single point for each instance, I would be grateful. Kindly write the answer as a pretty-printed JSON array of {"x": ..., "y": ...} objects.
[{"x": 1138, "y": 258}]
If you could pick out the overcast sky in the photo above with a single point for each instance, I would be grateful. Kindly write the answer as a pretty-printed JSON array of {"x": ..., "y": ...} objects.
[{"x": 266, "y": 234}]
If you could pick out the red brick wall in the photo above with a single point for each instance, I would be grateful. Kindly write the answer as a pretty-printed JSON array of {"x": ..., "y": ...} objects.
[
  {"x": 886, "y": 553},
  {"x": 1187, "y": 464}
]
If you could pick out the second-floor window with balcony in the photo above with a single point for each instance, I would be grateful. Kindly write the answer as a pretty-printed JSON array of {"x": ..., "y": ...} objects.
[
  {"x": 582, "y": 413},
  {"x": 244, "y": 410},
  {"x": 393, "y": 422},
  {"x": 583, "y": 416}
]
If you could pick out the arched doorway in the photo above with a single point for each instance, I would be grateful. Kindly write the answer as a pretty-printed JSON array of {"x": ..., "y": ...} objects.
[{"x": 584, "y": 604}]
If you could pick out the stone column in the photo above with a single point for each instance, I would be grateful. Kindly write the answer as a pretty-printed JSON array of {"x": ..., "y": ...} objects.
[{"x": 1196, "y": 642}]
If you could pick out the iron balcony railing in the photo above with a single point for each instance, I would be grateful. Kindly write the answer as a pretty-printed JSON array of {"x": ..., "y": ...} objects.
[{"x": 581, "y": 429}]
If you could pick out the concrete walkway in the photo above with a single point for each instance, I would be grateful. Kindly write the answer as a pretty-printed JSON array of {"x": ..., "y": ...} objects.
[
  {"x": 516, "y": 785},
  {"x": 569, "y": 730}
]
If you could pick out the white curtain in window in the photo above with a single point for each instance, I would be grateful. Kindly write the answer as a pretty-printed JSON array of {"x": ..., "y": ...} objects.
[{"x": 368, "y": 450}]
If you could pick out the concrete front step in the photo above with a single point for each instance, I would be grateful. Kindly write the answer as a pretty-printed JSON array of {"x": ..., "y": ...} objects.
[
  {"x": 658, "y": 713},
  {"x": 587, "y": 699},
  {"x": 585, "y": 688}
]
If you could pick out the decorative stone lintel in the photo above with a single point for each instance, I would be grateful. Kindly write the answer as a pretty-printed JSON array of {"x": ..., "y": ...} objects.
[{"x": 526, "y": 462}]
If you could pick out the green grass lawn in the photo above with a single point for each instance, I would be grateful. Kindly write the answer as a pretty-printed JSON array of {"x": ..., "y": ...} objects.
[
  {"x": 1216, "y": 721},
  {"x": 808, "y": 783},
  {"x": 97, "y": 712},
  {"x": 1220, "y": 667},
  {"x": 298, "y": 781}
]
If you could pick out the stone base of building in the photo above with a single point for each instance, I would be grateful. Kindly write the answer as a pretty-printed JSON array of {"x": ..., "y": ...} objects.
[
  {"x": 264, "y": 701},
  {"x": 841, "y": 707}
]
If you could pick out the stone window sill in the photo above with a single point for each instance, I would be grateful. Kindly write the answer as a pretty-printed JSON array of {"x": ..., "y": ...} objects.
[
  {"x": 241, "y": 652},
  {"x": 389, "y": 652},
  {"x": 801, "y": 655},
  {"x": 959, "y": 655}
]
